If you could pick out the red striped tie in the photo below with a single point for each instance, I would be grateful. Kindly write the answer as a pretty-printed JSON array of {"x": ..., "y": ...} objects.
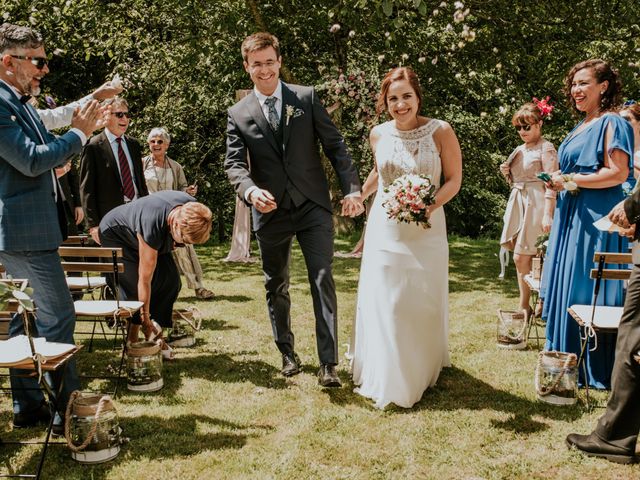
[{"x": 125, "y": 172}]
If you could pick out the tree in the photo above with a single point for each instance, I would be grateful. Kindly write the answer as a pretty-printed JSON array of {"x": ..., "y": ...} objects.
[{"x": 478, "y": 61}]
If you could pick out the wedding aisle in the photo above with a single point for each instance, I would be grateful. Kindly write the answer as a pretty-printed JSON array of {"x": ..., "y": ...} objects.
[{"x": 225, "y": 412}]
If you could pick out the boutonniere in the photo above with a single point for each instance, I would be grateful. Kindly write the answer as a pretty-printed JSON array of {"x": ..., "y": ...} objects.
[
  {"x": 293, "y": 112},
  {"x": 13, "y": 118}
]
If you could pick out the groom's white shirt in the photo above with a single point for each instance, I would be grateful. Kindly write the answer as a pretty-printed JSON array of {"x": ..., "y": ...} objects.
[{"x": 277, "y": 94}]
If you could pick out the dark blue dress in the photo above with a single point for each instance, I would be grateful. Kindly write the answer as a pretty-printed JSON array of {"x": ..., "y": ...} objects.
[{"x": 574, "y": 240}]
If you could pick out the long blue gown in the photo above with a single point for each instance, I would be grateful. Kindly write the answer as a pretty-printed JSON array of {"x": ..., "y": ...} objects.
[{"x": 574, "y": 240}]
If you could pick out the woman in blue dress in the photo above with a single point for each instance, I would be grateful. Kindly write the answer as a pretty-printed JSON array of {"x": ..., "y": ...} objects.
[{"x": 595, "y": 160}]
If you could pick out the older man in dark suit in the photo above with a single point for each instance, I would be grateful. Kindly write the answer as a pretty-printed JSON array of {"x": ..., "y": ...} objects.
[
  {"x": 280, "y": 125},
  {"x": 616, "y": 434},
  {"x": 111, "y": 172},
  {"x": 32, "y": 221}
]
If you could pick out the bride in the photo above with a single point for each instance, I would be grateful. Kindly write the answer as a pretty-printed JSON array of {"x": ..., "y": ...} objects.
[{"x": 401, "y": 327}]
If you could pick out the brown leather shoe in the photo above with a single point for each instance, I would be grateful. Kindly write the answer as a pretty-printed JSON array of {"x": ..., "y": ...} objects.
[
  {"x": 290, "y": 364},
  {"x": 593, "y": 446},
  {"x": 327, "y": 376}
]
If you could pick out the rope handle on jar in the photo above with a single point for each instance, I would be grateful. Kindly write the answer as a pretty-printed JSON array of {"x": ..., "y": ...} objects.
[
  {"x": 197, "y": 316},
  {"x": 94, "y": 425}
]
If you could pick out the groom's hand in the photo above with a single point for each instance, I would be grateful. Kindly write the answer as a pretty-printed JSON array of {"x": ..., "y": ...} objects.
[
  {"x": 352, "y": 205},
  {"x": 262, "y": 200}
]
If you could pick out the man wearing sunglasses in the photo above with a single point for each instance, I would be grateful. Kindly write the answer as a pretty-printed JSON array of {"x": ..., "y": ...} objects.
[
  {"x": 32, "y": 222},
  {"x": 111, "y": 172}
]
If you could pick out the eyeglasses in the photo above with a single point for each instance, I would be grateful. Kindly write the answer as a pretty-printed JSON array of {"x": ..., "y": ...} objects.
[
  {"x": 38, "y": 62},
  {"x": 157, "y": 142},
  {"x": 628, "y": 103},
  {"x": 121, "y": 114},
  {"x": 259, "y": 65},
  {"x": 526, "y": 128}
]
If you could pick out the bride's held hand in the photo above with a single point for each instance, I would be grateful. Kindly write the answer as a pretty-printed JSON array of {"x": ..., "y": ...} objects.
[{"x": 352, "y": 206}]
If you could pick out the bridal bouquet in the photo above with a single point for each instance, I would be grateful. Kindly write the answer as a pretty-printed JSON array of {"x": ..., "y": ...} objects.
[{"x": 408, "y": 199}]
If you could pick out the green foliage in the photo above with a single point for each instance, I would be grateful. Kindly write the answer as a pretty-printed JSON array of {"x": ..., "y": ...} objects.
[
  {"x": 478, "y": 61},
  {"x": 18, "y": 291}
]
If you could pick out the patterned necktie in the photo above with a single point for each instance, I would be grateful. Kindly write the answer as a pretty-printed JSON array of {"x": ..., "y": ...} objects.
[
  {"x": 125, "y": 172},
  {"x": 274, "y": 121}
]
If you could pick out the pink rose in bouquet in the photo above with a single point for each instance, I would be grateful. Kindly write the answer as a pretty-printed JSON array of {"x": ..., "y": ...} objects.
[{"x": 408, "y": 199}]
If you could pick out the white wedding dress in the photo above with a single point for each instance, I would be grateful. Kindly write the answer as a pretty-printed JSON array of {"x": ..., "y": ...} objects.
[{"x": 400, "y": 339}]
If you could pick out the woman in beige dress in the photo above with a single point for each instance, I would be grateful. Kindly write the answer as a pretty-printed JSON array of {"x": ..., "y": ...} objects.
[
  {"x": 162, "y": 173},
  {"x": 531, "y": 204}
]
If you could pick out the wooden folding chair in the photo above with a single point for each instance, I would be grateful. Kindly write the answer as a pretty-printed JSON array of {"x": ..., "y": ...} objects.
[
  {"x": 599, "y": 318},
  {"x": 85, "y": 283},
  {"x": 116, "y": 312},
  {"x": 36, "y": 366}
]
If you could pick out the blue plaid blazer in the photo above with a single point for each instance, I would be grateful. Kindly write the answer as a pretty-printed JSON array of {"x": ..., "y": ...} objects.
[{"x": 28, "y": 213}]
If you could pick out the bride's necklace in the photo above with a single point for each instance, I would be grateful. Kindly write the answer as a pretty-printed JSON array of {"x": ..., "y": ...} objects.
[{"x": 416, "y": 124}]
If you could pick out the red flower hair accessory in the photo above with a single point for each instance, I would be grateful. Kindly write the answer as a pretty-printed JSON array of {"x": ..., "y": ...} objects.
[{"x": 545, "y": 106}]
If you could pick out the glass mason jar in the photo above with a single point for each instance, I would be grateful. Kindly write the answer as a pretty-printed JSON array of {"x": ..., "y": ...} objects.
[
  {"x": 144, "y": 367},
  {"x": 103, "y": 429},
  {"x": 183, "y": 329},
  {"x": 556, "y": 378},
  {"x": 512, "y": 327}
]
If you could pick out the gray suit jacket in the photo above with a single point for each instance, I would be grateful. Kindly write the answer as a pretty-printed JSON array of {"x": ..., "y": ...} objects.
[
  {"x": 28, "y": 213},
  {"x": 304, "y": 121}
]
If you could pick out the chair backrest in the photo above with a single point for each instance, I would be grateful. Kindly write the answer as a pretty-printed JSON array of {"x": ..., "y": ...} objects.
[
  {"x": 602, "y": 258},
  {"x": 91, "y": 259}
]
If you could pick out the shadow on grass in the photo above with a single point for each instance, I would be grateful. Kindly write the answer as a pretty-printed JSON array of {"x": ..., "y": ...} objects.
[
  {"x": 217, "y": 324},
  {"x": 217, "y": 298},
  {"x": 458, "y": 390},
  {"x": 220, "y": 368},
  {"x": 158, "y": 438}
]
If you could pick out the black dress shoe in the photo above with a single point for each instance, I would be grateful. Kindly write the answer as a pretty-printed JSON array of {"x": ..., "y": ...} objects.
[
  {"x": 41, "y": 415},
  {"x": 593, "y": 446},
  {"x": 290, "y": 364},
  {"x": 327, "y": 376}
]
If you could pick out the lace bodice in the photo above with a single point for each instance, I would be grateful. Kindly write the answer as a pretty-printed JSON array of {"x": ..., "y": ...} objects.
[{"x": 399, "y": 152}]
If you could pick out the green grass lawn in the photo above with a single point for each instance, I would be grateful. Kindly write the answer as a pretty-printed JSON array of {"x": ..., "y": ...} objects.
[{"x": 226, "y": 412}]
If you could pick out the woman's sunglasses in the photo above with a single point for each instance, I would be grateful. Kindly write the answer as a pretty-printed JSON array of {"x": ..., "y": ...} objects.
[
  {"x": 121, "y": 114},
  {"x": 526, "y": 128},
  {"x": 157, "y": 142}
]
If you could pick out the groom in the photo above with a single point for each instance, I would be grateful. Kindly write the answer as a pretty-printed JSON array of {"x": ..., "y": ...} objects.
[{"x": 279, "y": 126}]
